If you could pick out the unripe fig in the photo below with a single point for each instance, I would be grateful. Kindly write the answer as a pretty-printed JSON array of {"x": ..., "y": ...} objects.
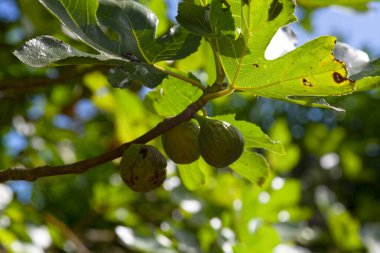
[
  {"x": 220, "y": 143},
  {"x": 181, "y": 143},
  {"x": 143, "y": 167}
]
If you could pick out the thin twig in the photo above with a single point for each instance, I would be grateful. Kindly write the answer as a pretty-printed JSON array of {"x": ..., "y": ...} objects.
[
  {"x": 32, "y": 174},
  {"x": 67, "y": 232}
]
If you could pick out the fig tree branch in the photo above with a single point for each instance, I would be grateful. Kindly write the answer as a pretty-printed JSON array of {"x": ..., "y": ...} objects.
[{"x": 32, "y": 174}]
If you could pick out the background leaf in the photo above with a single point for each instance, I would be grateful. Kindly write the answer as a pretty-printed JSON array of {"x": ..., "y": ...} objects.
[{"x": 171, "y": 97}]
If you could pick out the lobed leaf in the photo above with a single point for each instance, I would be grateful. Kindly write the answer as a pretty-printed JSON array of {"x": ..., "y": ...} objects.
[{"x": 308, "y": 71}]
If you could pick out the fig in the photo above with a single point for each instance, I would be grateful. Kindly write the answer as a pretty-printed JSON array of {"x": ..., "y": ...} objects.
[
  {"x": 181, "y": 143},
  {"x": 143, "y": 167},
  {"x": 220, "y": 143}
]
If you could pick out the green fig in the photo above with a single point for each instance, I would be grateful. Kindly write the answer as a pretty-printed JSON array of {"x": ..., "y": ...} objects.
[
  {"x": 181, "y": 143},
  {"x": 143, "y": 167},
  {"x": 220, "y": 143}
]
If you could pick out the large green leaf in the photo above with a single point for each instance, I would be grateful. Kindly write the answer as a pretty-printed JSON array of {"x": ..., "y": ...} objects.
[
  {"x": 252, "y": 166},
  {"x": 254, "y": 137},
  {"x": 309, "y": 70},
  {"x": 171, "y": 97}
]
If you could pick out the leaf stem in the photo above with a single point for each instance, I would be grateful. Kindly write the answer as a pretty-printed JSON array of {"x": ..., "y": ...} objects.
[
  {"x": 219, "y": 94},
  {"x": 181, "y": 77},
  {"x": 218, "y": 65}
]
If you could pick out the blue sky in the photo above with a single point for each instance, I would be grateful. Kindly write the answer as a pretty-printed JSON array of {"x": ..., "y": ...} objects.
[{"x": 359, "y": 29}]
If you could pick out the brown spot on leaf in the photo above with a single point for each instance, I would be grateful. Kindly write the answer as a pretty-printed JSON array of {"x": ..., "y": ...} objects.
[
  {"x": 338, "y": 77},
  {"x": 255, "y": 65},
  {"x": 307, "y": 83}
]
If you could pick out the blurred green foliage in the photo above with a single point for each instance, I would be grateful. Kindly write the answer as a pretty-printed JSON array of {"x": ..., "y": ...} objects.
[{"x": 322, "y": 196}]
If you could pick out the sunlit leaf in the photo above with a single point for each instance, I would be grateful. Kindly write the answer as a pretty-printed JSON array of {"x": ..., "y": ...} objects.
[
  {"x": 252, "y": 166},
  {"x": 309, "y": 70},
  {"x": 345, "y": 229},
  {"x": 258, "y": 240},
  {"x": 171, "y": 97},
  {"x": 133, "y": 120},
  {"x": 191, "y": 175}
]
